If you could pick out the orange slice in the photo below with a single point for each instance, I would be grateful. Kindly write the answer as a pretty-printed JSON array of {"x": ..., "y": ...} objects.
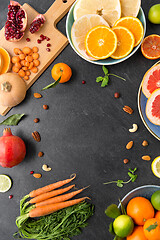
[
  {"x": 134, "y": 25},
  {"x": 125, "y": 42},
  {"x": 101, "y": 42},
  {"x": 151, "y": 47}
]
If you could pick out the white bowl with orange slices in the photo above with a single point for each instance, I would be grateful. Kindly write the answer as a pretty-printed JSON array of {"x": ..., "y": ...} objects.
[{"x": 105, "y": 35}]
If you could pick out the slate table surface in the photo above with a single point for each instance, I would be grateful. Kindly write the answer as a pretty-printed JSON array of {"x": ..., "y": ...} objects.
[{"x": 84, "y": 131}]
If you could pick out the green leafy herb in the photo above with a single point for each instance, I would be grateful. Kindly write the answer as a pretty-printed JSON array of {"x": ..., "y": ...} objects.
[
  {"x": 52, "y": 85},
  {"x": 60, "y": 225},
  {"x": 120, "y": 183},
  {"x": 152, "y": 227},
  {"x": 105, "y": 79},
  {"x": 112, "y": 211},
  {"x": 13, "y": 120}
]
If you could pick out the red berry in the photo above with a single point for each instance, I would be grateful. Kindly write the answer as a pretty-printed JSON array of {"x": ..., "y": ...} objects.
[
  {"x": 48, "y": 49},
  {"x": 83, "y": 82},
  {"x": 116, "y": 95},
  {"x": 28, "y": 39},
  {"x": 38, "y": 41},
  {"x": 48, "y": 45},
  {"x": 31, "y": 172},
  {"x": 10, "y": 196}
]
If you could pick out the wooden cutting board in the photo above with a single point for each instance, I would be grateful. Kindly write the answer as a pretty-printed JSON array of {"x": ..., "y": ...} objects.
[{"x": 57, "y": 40}]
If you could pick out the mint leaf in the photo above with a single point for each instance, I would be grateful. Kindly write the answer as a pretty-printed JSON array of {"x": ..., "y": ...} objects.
[
  {"x": 99, "y": 79},
  {"x": 105, "y": 70},
  {"x": 152, "y": 227},
  {"x": 112, "y": 211},
  {"x": 105, "y": 81},
  {"x": 111, "y": 230}
]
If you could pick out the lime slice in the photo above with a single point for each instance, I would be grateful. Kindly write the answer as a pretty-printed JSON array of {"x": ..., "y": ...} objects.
[
  {"x": 5, "y": 183},
  {"x": 156, "y": 167}
]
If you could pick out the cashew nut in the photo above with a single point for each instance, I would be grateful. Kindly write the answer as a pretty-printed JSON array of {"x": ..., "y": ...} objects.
[
  {"x": 46, "y": 168},
  {"x": 134, "y": 129}
]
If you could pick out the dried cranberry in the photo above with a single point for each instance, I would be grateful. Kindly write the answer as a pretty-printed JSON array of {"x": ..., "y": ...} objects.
[
  {"x": 48, "y": 45},
  {"x": 48, "y": 49},
  {"x": 83, "y": 82},
  {"x": 31, "y": 172},
  {"x": 10, "y": 196}
]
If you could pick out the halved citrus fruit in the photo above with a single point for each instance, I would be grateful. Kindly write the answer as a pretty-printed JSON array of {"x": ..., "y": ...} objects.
[
  {"x": 109, "y": 10},
  {"x": 130, "y": 8},
  {"x": 151, "y": 47},
  {"x": 151, "y": 80},
  {"x": 125, "y": 42},
  {"x": 101, "y": 42},
  {"x": 134, "y": 25},
  {"x": 156, "y": 167},
  {"x": 5, "y": 183},
  {"x": 81, "y": 27},
  {"x": 153, "y": 107}
]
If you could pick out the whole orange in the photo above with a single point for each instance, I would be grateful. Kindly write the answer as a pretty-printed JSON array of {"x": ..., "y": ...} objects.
[
  {"x": 61, "y": 70},
  {"x": 151, "y": 229},
  {"x": 157, "y": 215},
  {"x": 137, "y": 234},
  {"x": 140, "y": 209}
]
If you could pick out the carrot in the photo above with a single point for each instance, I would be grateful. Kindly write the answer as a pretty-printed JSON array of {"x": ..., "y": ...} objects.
[
  {"x": 50, "y": 187},
  {"x": 58, "y": 199},
  {"x": 47, "y": 195},
  {"x": 48, "y": 209}
]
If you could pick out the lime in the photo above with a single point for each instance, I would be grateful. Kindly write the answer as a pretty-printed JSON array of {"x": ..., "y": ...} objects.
[
  {"x": 5, "y": 183},
  {"x": 154, "y": 14},
  {"x": 123, "y": 226},
  {"x": 155, "y": 200},
  {"x": 156, "y": 167}
]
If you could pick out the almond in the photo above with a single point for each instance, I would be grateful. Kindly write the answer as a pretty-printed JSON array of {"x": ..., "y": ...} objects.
[
  {"x": 146, "y": 158},
  {"x": 129, "y": 145},
  {"x": 128, "y": 109},
  {"x": 144, "y": 143},
  {"x": 37, "y": 95},
  {"x": 36, "y": 136},
  {"x": 37, "y": 175}
]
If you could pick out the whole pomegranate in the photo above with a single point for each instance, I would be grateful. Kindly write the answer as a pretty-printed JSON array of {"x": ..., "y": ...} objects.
[
  {"x": 12, "y": 149},
  {"x": 16, "y": 22}
]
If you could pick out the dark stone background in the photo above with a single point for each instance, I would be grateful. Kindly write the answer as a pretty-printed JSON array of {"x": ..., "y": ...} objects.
[{"x": 84, "y": 131}]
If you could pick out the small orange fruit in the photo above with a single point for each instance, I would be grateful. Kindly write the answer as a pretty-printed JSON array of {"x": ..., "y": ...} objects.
[
  {"x": 140, "y": 209},
  {"x": 151, "y": 47},
  {"x": 101, "y": 42},
  {"x": 61, "y": 70},
  {"x": 157, "y": 215},
  {"x": 134, "y": 25},
  {"x": 138, "y": 234},
  {"x": 125, "y": 42},
  {"x": 151, "y": 229}
]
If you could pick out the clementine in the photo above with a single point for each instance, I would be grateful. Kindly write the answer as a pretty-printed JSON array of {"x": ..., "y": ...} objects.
[
  {"x": 138, "y": 234},
  {"x": 151, "y": 229},
  {"x": 61, "y": 70},
  {"x": 140, "y": 209},
  {"x": 157, "y": 215}
]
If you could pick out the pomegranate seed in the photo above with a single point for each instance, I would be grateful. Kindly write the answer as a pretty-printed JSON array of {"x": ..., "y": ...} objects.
[
  {"x": 116, "y": 95},
  {"x": 48, "y": 49},
  {"x": 38, "y": 41},
  {"x": 31, "y": 172},
  {"x": 28, "y": 39},
  {"x": 10, "y": 196},
  {"x": 42, "y": 37},
  {"x": 47, "y": 38},
  {"x": 48, "y": 45},
  {"x": 83, "y": 82}
]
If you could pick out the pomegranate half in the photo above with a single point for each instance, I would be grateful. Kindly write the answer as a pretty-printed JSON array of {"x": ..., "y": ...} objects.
[
  {"x": 12, "y": 149},
  {"x": 16, "y": 22}
]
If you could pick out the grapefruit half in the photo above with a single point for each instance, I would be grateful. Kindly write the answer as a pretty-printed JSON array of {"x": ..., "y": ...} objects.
[
  {"x": 153, "y": 107},
  {"x": 151, "y": 80}
]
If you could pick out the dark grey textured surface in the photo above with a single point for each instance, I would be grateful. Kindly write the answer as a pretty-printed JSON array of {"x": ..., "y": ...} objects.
[{"x": 83, "y": 131}]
